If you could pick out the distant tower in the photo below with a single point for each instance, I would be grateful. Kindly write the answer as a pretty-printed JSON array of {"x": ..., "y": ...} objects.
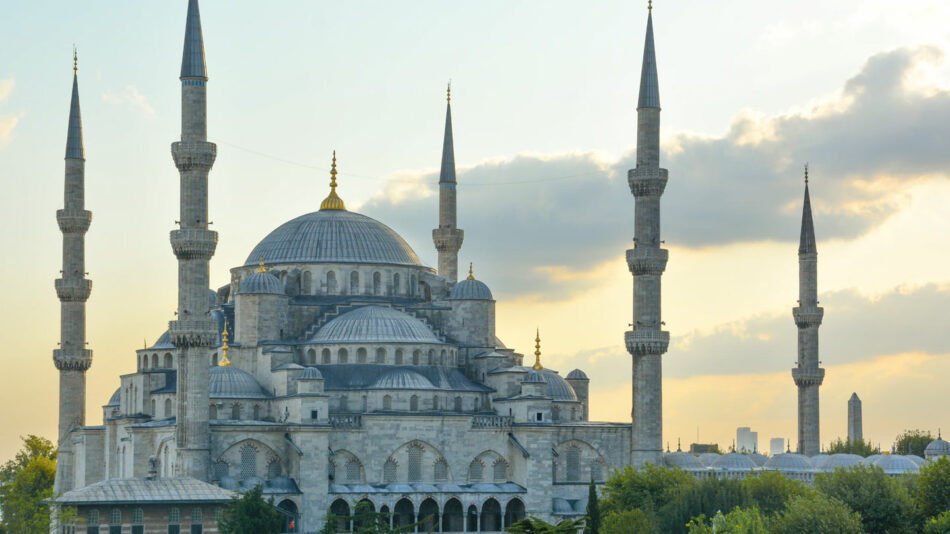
[
  {"x": 807, "y": 375},
  {"x": 855, "y": 426},
  {"x": 72, "y": 358},
  {"x": 647, "y": 342},
  {"x": 447, "y": 237},
  {"x": 193, "y": 332}
]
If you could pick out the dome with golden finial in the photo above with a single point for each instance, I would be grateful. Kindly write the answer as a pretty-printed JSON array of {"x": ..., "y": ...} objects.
[
  {"x": 470, "y": 289},
  {"x": 537, "y": 351},
  {"x": 333, "y": 202}
]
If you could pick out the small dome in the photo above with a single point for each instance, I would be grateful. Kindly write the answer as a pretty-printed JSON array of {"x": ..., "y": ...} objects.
[
  {"x": 577, "y": 374},
  {"x": 375, "y": 324},
  {"x": 310, "y": 373},
  {"x": 733, "y": 462},
  {"x": 470, "y": 289},
  {"x": 533, "y": 377},
  {"x": 683, "y": 460},
  {"x": 758, "y": 459},
  {"x": 937, "y": 448},
  {"x": 895, "y": 464},
  {"x": 116, "y": 398},
  {"x": 871, "y": 459},
  {"x": 402, "y": 378},
  {"x": 788, "y": 462},
  {"x": 261, "y": 284},
  {"x": 817, "y": 460},
  {"x": 233, "y": 383},
  {"x": 707, "y": 458},
  {"x": 916, "y": 459},
  {"x": 840, "y": 460}
]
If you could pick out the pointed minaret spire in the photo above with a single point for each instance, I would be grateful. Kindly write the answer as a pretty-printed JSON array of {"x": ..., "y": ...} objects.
[
  {"x": 447, "y": 237},
  {"x": 649, "y": 84},
  {"x": 74, "y": 148},
  {"x": 806, "y": 244},
  {"x": 193, "y": 54}
]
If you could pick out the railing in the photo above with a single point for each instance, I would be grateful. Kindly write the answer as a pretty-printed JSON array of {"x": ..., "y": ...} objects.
[
  {"x": 346, "y": 421},
  {"x": 491, "y": 421}
]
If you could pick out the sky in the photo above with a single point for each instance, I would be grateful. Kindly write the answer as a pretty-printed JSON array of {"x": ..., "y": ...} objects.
[{"x": 544, "y": 97}]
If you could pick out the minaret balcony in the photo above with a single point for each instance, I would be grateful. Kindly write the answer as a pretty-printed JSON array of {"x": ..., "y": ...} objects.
[
  {"x": 804, "y": 376},
  {"x": 193, "y": 243},
  {"x": 193, "y": 332},
  {"x": 647, "y": 260},
  {"x": 73, "y": 289},
  {"x": 74, "y": 360},
  {"x": 805, "y": 317},
  {"x": 448, "y": 239},
  {"x": 73, "y": 221},
  {"x": 647, "y": 181},
  {"x": 646, "y": 341},
  {"x": 194, "y": 155}
]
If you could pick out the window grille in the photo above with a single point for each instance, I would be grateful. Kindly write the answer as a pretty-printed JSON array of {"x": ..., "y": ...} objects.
[
  {"x": 248, "y": 462},
  {"x": 573, "y": 464},
  {"x": 475, "y": 471},
  {"x": 389, "y": 471},
  {"x": 441, "y": 471},
  {"x": 500, "y": 471},
  {"x": 415, "y": 463},
  {"x": 221, "y": 470},
  {"x": 353, "y": 471},
  {"x": 138, "y": 517}
]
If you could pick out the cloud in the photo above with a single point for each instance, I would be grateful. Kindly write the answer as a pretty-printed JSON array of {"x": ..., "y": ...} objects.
[
  {"x": 7, "y": 122},
  {"x": 549, "y": 220},
  {"x": 6, "y": 87},
  {"x": 131, "y": 97}
]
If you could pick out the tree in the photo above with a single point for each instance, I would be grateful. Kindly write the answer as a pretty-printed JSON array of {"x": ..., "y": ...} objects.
[
  {"x": 856, "y": 446},
  {"x": 771, "y": 490},
  {"x": 707, "y": 497},
  {"x": 249, "y": 513},
  {"x": 648, "y": 488},
  {"x": 938, "y": 525},
  {"x": 633, "y": 521},
  {"x": 26, "y": 482},
  {"x": 913, "y": 442},
  {"x": 738, "y": 521},
  {"x": 533, "y": 525},
  {"x": 593, "y": 510},
  {"x": 885, "y": 506},
  {"x": 816, "y": 514},
  {"x": 933, "y": 487}
]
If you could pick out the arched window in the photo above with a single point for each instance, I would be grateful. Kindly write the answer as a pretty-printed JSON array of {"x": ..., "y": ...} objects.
[
  {"x": 236, "y": 411},
  {"x": 377, "y": 283},
  {"x": 195, "y": 520},
  {"x": 415, "y": 463},
  {"x": 389, "y": 471},
  {"x": 440, "y": 470},
  {"x": 431, "y": 357},
  {"x": 458, "y": 404},
  {"x": 248, "y": 462},
  {"x": 354, "y": 283},
  {"x": 361, "y": 355},
  {"x": 331, "y": 283},
  {"x": 169, "y": 360},
  {"x": 174, "y": 517},
  {"x": 396, "y": 289},
  {"x": 404, "y": 514},
  {"x": 342, "y": 356},
  {"x": 500, "y": 470},
  {"x": 573, "y": 464},
  {"x": 115, "y": 517},
  {"x": 387, "y": 402},
  {"x": 380, "y": 355},
  {"x": 326, "y": 355},
  {"x": 212, "y": 411},
  {"x": 428, "y": 516},
  {"x": 273, "y": 469},
  {"x": 414, "y": 403},
  {"x": 153, "y": 409},
  {"x": 555, "y": 413},
  {"x": 307, "y": 284},
  {"x": 475, "y": 470},
  {"x": 471, "y": 520},
  {"x": 412, "y": 286},
  {"x": 154, "y": 361},
  {"x": 514, "y": 512},
  {"x": 597, "y": 470},
  {"x": 221, "y": 469},
  {"x": 311, "y": 356},
  {"x": 415, "y": 357},
  {"x": 340, "y": 509},
  {"x": 365, "y": 518},
  {"x": 138, "y": 517},
  {"x": 398, "y": 356},
  {"x": 257, "y": 412},
  {"x": 214, "y": 360},
  {"x": 168, "y": 407},
  {"x": 435, "y": 402},
  {"x": 491, "y": 516},
  {"x": 145, "y": 361},
  {"x": 353, "y": 471}
]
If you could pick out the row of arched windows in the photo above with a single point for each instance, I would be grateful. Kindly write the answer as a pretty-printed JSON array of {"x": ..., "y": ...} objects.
[
  {"x": 167, "y": 361},
  {"x": 431, "y": 518},
  {"x": 247, "y": 468},
  {"x": 572, "y": 467},
  {"x": 374, "y": 286},
  {"x": 416, "y": 403},
  {"x": 381, "y": 355}
]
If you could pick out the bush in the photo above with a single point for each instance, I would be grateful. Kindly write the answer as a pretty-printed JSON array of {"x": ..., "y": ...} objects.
[
  {"x": 633, "y": 521},
  {"x": 816, "y": 514},
  {"x": 885, "y": 506},
  {"x": 770, "y": 491},
  {"x": 938, "y": 525},
  {"x": 933, "y": 487},
  {"x": 706, "y": 498}
]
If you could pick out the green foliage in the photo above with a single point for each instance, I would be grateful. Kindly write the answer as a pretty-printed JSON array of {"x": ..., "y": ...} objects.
[
  {"x": 913, "y": 442},
  {"x": 816, "y": 514},
  {"x": 938, "y": 525},
  {"x": 249, "y": 513},
  {"x": 738, "y": 521},
  {"x": 367, "y": 521},
  {"x": 632, "y": 521},
  {"x": 857, "y": 446},
  {"x": 533, "y": 525},
  {"x": 932, "y": 490},
  {"x": 593, "y": 510},
  {"x": 771, "y": 490},
  {"x": 885, "y": 506},
  {"x": 705, "y": 498},
  {"x": 26, "y": 482},
  {"x": 648, "y": 488}
]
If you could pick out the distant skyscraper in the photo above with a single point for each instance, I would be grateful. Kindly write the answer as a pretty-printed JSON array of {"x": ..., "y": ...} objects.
[
  {"x": 855, "y": 426},
  {"x": 746, "y": 440},
  {"x": 776, "y": 446}
]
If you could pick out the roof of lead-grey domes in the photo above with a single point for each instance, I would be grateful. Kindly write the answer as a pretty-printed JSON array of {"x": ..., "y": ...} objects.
[
  {"x": 895, "y": 464},
  {"x": 359, "y": 376},
  {"x": 374, "y": 324},
  {"x": 470, "y": 289},
  {"x": 683, "y": 460},
  {"x": 789, "y": 461},
  {"x": 333, "y": 236},
  {"x": 233, "y": 383},
  {"x": 261, "y": 284}
]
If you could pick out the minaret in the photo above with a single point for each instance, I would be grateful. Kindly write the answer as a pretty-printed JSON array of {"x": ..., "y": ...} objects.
[
  {"x": 448, "y": 238},
  {"x": 72, "y": 358},
  {"x": 807, "y": 375},
  {"x": 646, "y": 341},
  {"x": 855, "y": 425},
  {"x": 193, "y": 332}
]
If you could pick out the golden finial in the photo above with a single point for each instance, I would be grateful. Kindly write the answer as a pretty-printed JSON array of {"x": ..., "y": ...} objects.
[
  {"x": 332, "y": 202},
  {"x": 537, "y": 351},
  {"x": 649, "y": 6},
  {"x": 470, "y": 275},
  {"x": 261, "y": 268},
  {"x": 448, "y": 92},
  {"x": 144, "y": 343},
  {"x": 225, "y": 362},
  {"x": 75, "y": 60},
  {"x": 806, "y": 174}
]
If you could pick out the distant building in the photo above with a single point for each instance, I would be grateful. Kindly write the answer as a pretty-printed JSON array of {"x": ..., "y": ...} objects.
[
  {"x": 701, "y": 448},
  {"x": 855, "y": 426},
  {"x": 746, "y": 440},
  {"x": 776, "y": 446}
]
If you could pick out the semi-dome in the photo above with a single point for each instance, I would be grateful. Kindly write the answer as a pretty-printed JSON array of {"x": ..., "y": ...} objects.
[
  {"x": 402, "y": 378},
  {"x": 733, "y": 462},
  {"x": 232, "y": 383},
  {"x": 577, "y": 374},
  {"x": 116, "y": 398},
  {"x": 937, "y": 448},
  {"x": 310, "y": 373},
  {"x": 788, "y": 462},
  {"x": 533, "y": 377},
  {"x": 895, "y": 464},
  {"x": 261, "y": 283},
  {"x": 683, "y": 460},
  {"x": 470, "y": 289},
  {"x": 333, "y": 236},
  {"x": 374, "y": 324}
]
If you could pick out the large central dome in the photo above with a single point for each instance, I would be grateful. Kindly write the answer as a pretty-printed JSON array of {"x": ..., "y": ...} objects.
[{"x": 333, "y": 236}]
